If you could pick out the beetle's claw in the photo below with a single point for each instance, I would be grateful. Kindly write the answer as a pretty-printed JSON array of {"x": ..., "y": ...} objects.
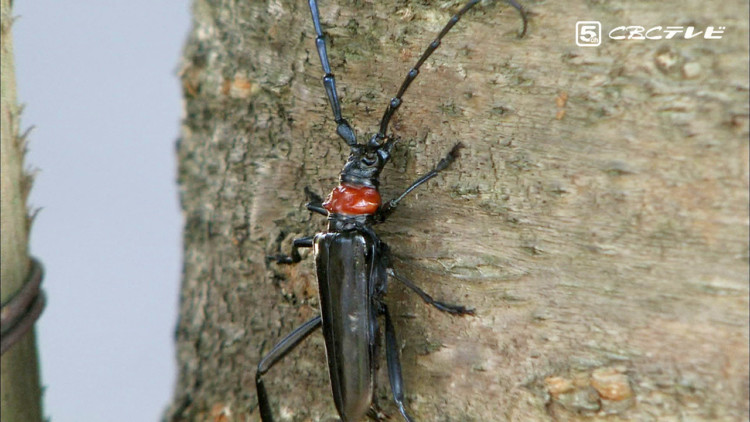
[
  {"x": 375, "y": 413},
  {"x": 454, "y": 309},
  {"x": 279, "y": 259}
]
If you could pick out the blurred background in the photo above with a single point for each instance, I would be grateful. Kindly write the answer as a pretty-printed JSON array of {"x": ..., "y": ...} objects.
[{"x": 99, "y": 83}]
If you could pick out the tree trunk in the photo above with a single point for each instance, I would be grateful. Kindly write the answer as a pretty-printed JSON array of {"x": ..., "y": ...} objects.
[
  {"x": 597, "y": 219},
  {"x": 20, "y": 398}
]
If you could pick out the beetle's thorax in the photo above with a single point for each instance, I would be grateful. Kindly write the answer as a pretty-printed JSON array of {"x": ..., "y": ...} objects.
[
  {"x": 357, "y": 193},
  {"x": 352, "y": 200}
]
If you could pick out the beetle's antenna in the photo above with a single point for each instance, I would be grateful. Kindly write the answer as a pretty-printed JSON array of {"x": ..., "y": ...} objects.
[
  {"x": 329, "y": 81},
  {"x": 396, "y": 101}
]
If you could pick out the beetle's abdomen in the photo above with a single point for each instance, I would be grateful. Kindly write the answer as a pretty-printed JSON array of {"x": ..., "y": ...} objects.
[
  {"x": 350, "y": 199},
  {"x": 343, "y": 264}
]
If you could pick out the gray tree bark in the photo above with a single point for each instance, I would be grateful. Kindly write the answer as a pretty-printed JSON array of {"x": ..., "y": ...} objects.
[{"x": 597, "y": 219}]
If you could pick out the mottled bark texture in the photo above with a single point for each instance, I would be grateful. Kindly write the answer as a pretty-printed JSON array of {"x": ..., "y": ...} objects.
[{"x": 597, "y": 219}]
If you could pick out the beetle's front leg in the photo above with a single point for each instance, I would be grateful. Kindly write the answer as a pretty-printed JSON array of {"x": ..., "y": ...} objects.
[
  {"x": 302, "y": 242},
  {"x": 390, "y": 206},
  {"x": 314, "y": 202}
]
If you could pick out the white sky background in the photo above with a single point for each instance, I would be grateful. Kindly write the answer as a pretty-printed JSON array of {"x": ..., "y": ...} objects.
[{"x": 98, "y": 79}]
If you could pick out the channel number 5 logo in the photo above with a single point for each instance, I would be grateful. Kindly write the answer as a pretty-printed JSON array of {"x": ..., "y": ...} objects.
[{"x": 588, "y": 33}]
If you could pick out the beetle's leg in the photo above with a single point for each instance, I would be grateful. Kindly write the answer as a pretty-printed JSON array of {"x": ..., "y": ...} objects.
[
  {"x": 394, "y": 364},
  {"x": 391, "y": 205},
  {"x": 274, "y": 356},
  {"x": 302, "y": 242},
  {"x": 396, "y": 101},
  {"x": 329, "y": 81},
  {"x": 316, "y": 207},
  {"x": 314, "y": 202},
  {"x": 375, "y": 412},
  {"x": 451, "y": 309}
]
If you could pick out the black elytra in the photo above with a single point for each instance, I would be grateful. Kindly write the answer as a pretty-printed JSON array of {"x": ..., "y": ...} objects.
[{"x": 352, "y": 263}]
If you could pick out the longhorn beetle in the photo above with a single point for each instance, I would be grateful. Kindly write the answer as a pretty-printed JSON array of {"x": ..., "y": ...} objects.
[{"x": 352, "y": 263}]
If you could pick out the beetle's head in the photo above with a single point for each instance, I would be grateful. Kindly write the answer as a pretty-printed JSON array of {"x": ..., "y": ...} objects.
[{"x": 366, "y": 162}]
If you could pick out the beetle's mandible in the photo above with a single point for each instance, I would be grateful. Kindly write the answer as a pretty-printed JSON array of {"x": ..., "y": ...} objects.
[{"x": 352, "y": 263}]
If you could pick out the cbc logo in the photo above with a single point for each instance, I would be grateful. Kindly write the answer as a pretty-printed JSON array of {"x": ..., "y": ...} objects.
[{"x": 588, "y": 33}]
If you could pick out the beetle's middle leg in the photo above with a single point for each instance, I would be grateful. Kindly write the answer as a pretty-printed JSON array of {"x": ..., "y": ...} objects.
[
  {"x": 302, "y": 242},
  {"x": 451, "y": 309}
]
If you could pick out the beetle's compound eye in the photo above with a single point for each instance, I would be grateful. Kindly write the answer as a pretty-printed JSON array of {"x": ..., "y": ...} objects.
[{"x": 375, "y": 143}]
